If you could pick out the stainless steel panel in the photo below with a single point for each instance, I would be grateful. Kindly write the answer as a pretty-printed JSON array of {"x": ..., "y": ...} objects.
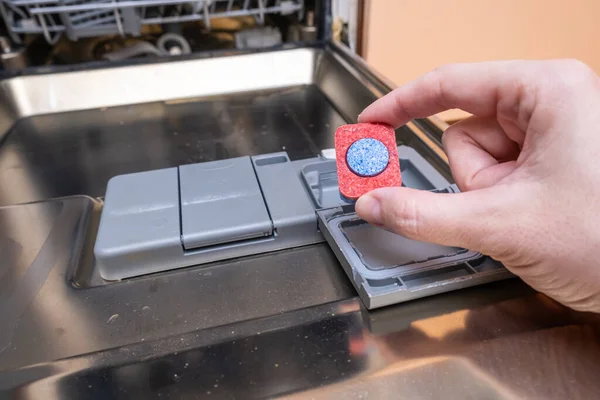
[
  {"x": 263, "y": 326},
  {"x": 46, "y": 315},
  {"x": 500, "y": 341},
  {"x": 63, "y": 154},
  {"x": 110, "y": 87}
]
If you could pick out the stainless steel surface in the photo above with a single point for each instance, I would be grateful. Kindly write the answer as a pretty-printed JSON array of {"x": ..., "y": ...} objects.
[
  {"x": 110, "y": 87},
  {"x": 46, "y": 316},
  {"x": 492, "y": 342},
  {"x": 286, "y": 324}
]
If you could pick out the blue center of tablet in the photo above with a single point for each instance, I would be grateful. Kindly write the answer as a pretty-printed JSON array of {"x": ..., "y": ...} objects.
[{"x": 367, "y": 157}]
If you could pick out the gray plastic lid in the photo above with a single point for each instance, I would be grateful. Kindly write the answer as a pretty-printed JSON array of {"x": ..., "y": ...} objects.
[
  {"x": 379, "y": 249},
  {"x": 386, "y": 268},
  {"x": 221, "y": 202},
  {"x": 378, "y": 254},
  {"x": 374, "y": 252}
]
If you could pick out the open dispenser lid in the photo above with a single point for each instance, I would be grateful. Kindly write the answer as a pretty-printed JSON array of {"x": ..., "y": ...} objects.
[{"x": 387, "y": 268}]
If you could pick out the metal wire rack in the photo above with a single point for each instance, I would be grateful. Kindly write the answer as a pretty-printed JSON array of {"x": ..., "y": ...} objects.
[{"x": 88, "y": 18}]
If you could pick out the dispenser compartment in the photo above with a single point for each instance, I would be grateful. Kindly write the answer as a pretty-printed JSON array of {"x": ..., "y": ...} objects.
[
  {"x": 201, "y": 213},
  {"x": 387, "y": 269},
  {"x": 195, "y": 214},
  {"x": 139, "y": 231},
  {"x": 379, "y": 249}
]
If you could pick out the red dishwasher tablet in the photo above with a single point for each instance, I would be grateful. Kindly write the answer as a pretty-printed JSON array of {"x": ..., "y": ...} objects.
[{"x": 366, "y": 159}]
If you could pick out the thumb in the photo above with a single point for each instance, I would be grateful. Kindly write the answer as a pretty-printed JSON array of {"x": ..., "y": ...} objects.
[{"x": 469, "y": 219}]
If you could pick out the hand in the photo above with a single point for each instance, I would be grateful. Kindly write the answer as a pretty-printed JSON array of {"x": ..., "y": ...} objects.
[{"x": 527, "y": 163}]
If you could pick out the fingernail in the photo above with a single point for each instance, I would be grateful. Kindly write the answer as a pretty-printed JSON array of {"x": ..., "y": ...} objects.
[{"x": 369, "y": 209}]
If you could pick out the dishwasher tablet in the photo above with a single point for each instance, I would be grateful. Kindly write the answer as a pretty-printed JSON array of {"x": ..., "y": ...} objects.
[{"x": 366, "y": 159}]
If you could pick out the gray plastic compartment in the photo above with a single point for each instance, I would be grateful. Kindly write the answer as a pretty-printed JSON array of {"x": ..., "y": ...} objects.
[
  {"x": 378, "y": 249},
  {"x": 155, "y": 221},
  {"x": 139, "y": 231},
  {"x": 195, "y": 214},
  {"x": 422, "y": 269},
  {"x": 386, "y": 268},
  {"x": 368, "y": 244},
  {"x": 287, "y": 200},
  {"x": 321, "y": 178}
]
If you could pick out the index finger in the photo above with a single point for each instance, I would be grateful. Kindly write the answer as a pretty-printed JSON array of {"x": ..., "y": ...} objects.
[{"x": 477, "y": 88}]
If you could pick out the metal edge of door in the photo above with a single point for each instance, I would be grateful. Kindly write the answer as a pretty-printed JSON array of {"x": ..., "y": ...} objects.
[{"x": 428, "y": 130}]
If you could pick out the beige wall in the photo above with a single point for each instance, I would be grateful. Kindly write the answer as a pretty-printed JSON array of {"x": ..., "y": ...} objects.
[{"x": 405, "y": 38}]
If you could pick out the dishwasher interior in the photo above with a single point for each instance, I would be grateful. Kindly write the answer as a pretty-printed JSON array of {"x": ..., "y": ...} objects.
[
  {"x": 71, "y": 32},
  {"x": 291, "y": 320}
]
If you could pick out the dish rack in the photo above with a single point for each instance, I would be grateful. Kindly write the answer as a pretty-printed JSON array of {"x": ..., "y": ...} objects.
[{"x": 89, "y": 18}]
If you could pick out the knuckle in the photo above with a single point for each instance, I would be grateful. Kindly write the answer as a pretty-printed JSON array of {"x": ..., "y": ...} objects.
[
  {"x": 397, "y": 103},
  {"x": 435, "y": 79},
  {"x": 443, "y": 70},
  {"x": 405, "y": 218},
  {"x": 454, "y": 138},
  {"x": 577, "y": 66},
  {"x": 573, "y": 73},
  {"x": 466, "y": 183},
  {"x": 454, "y": 133}
]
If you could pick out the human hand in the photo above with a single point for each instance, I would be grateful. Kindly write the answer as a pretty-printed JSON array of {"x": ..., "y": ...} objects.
[{"x": 527, "y": 163}]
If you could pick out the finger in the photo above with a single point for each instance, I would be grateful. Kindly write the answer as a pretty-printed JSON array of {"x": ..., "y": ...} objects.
[
  {"x": 476, "y": 88},
  {"x": 479, "y": 152},
  {"x": 470, "y": 220}
]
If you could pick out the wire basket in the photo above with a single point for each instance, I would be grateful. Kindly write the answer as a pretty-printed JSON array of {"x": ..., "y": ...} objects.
[{"x": 88, "y": 18}]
